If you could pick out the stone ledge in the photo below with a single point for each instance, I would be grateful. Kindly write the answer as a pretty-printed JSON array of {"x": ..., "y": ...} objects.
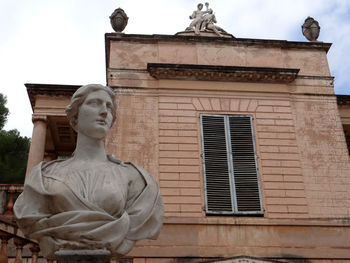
[
  {"x": 256, "y": 221},
  {"x": 221, "y": 73},
  {"x": 34, "y": 89},
  {"x": 270, "y": 241},
  {"x": 82, "y": 256},
  {"x": 343, "y": 99},
  {"x": 204, "y": 33},
  {"x": 239, "y": 41}
]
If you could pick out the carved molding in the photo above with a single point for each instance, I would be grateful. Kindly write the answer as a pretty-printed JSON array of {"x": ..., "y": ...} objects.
[
  {"x": 37, "y": 117},
  {"x": 221, "y": 73},
  {"x": 34, "y": 90},
  {"x": 343, "y": 99}
]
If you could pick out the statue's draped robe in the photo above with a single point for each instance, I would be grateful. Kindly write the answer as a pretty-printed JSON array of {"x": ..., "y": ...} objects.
[{"x": 89, "y": 208}]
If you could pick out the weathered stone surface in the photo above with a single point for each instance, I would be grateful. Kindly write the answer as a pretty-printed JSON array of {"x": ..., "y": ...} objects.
[{"x": 135, "y": 52}]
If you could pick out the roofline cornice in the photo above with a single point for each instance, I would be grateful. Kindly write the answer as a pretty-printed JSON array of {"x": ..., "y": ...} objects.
[
  {"x": 34, "y": 89},
  {"x": 233, "y": 41},
  {"x": 343, "y": 99}
]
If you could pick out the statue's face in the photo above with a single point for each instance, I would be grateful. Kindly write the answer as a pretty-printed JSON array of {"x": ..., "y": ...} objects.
[{"x": 95, "y": 115}]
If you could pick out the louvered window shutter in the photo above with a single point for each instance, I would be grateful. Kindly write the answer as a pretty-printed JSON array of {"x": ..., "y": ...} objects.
[
  {"x": 216, "y": 168},
  {"x": 230, "y": 168}
]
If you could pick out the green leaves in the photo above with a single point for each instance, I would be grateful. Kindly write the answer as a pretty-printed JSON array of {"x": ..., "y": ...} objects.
[
  {"x": 4, "y": 112},
  {"x": 13, "y": 150},
  {"x": 13, "y": 157}
]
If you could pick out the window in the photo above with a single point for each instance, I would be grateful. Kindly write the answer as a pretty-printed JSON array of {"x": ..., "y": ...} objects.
[{"x": 230, "y": 165}]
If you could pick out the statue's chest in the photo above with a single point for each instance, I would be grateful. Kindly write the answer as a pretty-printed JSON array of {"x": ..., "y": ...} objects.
[{"x": 99, "y": 188}]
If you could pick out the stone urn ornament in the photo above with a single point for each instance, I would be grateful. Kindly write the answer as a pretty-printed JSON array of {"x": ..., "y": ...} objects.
[
  {"x": 311, "y": 29},
  {"x": 119, "y": 20}
]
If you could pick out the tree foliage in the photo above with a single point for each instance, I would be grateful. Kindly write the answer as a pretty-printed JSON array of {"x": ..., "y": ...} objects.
[
  {"x": 13, "y": 150},
  {"x": 13, "y": 157},
  {"x": 4, "y": 112}
]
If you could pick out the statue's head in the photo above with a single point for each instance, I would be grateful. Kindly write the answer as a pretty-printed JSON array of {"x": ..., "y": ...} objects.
[
  {"x": 200, "y": 6},
  {"x": 91, "y": 92}
]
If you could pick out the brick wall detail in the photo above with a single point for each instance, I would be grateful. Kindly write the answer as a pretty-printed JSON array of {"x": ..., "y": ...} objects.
[
  {"x": 179, "y": 157},
  {"x": 303, "y": 164},
  {"x": 180, "y": 163}
]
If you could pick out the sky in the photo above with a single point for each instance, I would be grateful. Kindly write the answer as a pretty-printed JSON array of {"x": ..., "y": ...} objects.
[{"x": 62, "y": 41}]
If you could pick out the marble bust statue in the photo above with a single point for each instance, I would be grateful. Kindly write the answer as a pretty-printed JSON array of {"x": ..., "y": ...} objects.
[{"x": 92, "y": 200}]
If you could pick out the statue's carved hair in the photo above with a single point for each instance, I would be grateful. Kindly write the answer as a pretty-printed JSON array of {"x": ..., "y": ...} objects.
[{"x": 79, "y": 97}]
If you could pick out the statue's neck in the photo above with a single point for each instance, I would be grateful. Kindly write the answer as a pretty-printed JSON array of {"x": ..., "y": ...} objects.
[{"x": 89, "y": 149}]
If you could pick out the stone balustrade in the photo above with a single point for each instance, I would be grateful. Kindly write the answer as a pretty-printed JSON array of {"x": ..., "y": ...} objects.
[
  {"x": 15, "y": 247},
  {"x": 8, "y": 194}
]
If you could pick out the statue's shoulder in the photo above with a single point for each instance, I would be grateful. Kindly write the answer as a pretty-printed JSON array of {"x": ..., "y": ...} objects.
[
  {"x": 115, "y": 160},
  {"x": 44, "y": 166},
  {"x": 135, "y": 172},
  {"x": 128, "y": 165},
  {"x": 42, "y": 169},
  {"x": 52, "y": 165}
]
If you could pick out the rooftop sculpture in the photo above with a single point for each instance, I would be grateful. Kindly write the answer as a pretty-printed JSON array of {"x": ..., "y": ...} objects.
[{"x": 204, "y": 22}]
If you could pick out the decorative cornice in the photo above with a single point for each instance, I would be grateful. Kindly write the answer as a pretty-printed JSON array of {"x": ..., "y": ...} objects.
[
  {"x": 221, "y": 73},
  {"x": 343, "y": 99},
  {"x": 49, "y": 90}
]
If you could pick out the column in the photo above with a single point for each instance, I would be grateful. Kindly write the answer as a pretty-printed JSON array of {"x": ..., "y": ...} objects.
[
  {"x": 20, "y": 243},
  {"x": 9, "y": 206},
  {"x": 4, "y": 237},
  {"x": 37, "y": 145},
  {"x": 35, "y": 252}
]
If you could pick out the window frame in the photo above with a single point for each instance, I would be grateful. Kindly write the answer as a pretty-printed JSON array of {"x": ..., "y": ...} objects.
[{"x": 230, "y": 162}]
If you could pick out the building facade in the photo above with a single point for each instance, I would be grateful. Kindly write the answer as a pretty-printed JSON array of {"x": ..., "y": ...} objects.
[
  {"x": 245, "y": 137},
  {"x": 281, "y": 189}
]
